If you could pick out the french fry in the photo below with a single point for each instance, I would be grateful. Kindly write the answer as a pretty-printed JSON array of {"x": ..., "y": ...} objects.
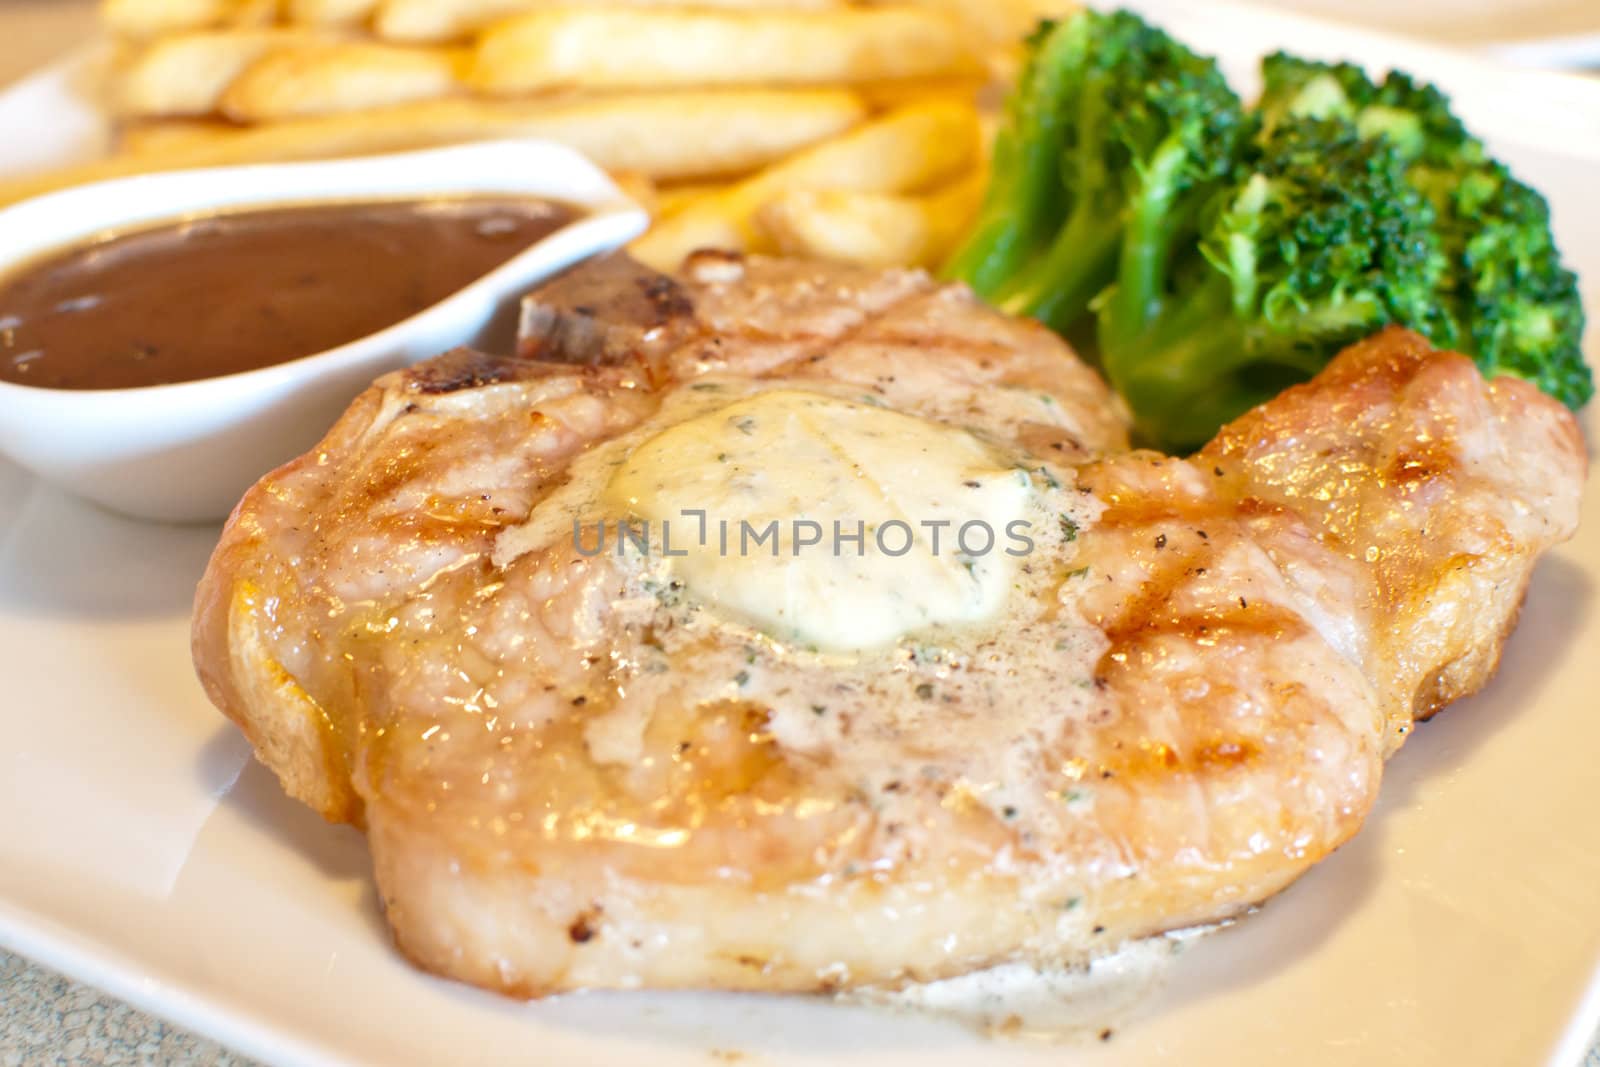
[
  {"x": 872, "y": 229},
  {"x": 441, "y": 20},
  {"x": 997, "y": 23},
  {"x": 168, "y": 135},
  {"x": 617, "y": 49},
  {"x": 906, "y": 151},
  {"x": 148, "y": 18},
  {"x": 329, "y": 12},
  {"x": 678, "y": 136},
  {"x": 450, "y": 20},
  {"x": 187, "y": 73},
  {"x": 690, "y": 134},
  {"x": 639, "y": 188},
  {"x": 903, "y": 92},
  {"x": 674, "y": 198},
  {"x": 316, "y": 79}
]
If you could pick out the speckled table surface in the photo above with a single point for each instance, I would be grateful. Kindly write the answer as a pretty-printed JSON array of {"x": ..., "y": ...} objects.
[{"x": 47, "y": 1020}]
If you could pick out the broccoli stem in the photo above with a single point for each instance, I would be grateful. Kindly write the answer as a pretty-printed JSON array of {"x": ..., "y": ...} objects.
[
  {"x": 1180, "y": 362},
  {"x": 1177, "y": 360},
  {"x": 1025, "y": 200},
  {"x": 1057, "y": 287},
  {"x": 1154, "y": 351},
  {"x": 1152, "y": 225},
  {"x": 1004, "y": 236}
]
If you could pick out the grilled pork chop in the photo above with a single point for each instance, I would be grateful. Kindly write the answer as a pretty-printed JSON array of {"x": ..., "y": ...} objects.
[{"x": 583, "y": 767}]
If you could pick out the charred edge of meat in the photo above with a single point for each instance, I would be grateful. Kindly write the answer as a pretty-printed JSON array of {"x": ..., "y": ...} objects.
[
  {"x": 604, "y": 312},
  {"x": 465, "y": 368},
  {"x": 666, "y": 296}
]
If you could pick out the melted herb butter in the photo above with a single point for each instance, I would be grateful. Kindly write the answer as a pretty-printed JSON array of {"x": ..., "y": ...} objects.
[
  {"x": 830, "y": 522},
  {"x": 971, "y": 709}
]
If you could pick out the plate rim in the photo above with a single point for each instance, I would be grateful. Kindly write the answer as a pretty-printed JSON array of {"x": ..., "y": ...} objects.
[{"x": 91, "y": 960}]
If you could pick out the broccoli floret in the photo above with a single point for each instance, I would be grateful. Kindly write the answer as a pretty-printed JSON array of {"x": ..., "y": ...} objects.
[
  {"x": 1518, "y": 305},
  {"x": 1505, "y": 297},
  {"x": 1214, "y": 255},
  {"x": 1316, "y": 241},
  {"x": 1145, "y": 129},
  {"x": 1292, "y": 87}
]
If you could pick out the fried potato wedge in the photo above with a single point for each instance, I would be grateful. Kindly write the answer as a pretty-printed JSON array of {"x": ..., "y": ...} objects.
[
  {"x": 450, "y": 20},
  {"x": 871, "y": 229},
  {"x": 187, "y": 73},
  {"x": 324, "y": 77},
  {"x": 599, "y": 48},
  {"x": 677, "y": 136},
  {"x": 905, "y": 151}
]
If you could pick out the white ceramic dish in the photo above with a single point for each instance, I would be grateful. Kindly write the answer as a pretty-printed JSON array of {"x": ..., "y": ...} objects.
[
  {"x": 1461, "y": 927},
  {"x": 1535, "y": 33},
  {"x": 187, "y": 452}
]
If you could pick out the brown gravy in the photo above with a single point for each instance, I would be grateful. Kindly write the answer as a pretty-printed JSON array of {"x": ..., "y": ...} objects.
[{"x": 233, "y": 292}]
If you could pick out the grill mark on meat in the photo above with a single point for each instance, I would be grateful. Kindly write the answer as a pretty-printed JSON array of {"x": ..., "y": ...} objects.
[
  {"x": 1413, "y": 466},
  {"x": 1141, "y": 511},
  {"x": 1220, "y": 623},
  {"x": 851, "y": 333}
]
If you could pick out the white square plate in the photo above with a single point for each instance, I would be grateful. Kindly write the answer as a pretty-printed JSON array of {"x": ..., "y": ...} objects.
[
  {"x": 1539, "y": 33},
  {"x": 144, "y": 853}
]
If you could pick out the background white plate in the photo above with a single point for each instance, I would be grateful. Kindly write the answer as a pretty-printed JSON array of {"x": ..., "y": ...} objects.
[
  {"x": 144, "y": 853},
  {"x": 1534, "y": 32}
]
